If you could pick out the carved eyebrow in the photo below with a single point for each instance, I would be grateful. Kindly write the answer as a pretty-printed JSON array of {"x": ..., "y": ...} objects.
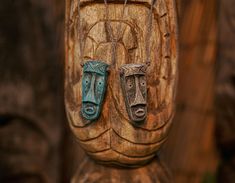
[
  {"x": 129, "y": 76},
  {"x": 87, "y": 71},
  {"x": 95, "y": 72},
  {"x": 134, "y": 74}
]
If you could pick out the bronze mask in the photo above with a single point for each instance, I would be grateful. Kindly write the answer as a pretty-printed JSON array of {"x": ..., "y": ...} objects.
[
  {"x": 133, "y": 81},
  {"x": 93, "y": 88}
]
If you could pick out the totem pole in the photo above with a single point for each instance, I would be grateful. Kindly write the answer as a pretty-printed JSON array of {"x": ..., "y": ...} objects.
[{"x": 121, "y": 73}]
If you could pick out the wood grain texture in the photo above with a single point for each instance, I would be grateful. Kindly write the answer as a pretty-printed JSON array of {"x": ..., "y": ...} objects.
[
  {"x": 190, "y": 151},
  {"x": 90, "y": 34},
  {"x": 91, "y": 172}
]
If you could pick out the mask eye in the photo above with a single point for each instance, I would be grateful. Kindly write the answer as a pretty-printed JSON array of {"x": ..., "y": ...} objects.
[
  {"x": 142, "y": 81},
  {"x": 87, "y": 79},
  {"x": 129, "y": 85},
  {"x": 130, "y": 82},
  {"x": 99, "y": 83}
]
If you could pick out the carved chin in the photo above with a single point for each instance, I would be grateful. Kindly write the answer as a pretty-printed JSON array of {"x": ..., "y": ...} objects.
[
  {"x": 90, "y": 111},
  {"x": 138, "y": 113}
]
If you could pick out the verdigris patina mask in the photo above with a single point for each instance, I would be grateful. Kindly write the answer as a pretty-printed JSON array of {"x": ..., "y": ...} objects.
[
  {"x": 133, "y": 81},
  {"x": 93, "y": 88}
]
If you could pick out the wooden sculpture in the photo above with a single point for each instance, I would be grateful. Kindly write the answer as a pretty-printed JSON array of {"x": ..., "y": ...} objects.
[
  {"x": 133, "y": 81},
  {"x": 93, "y": 89},
  {"x": 136, "y": 44}
]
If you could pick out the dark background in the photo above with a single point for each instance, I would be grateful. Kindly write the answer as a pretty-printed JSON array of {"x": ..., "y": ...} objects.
[{"x": 36, "y": 145}]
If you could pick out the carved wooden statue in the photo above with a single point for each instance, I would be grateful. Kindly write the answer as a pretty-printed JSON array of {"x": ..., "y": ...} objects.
[{"x": 121, "y": 72}]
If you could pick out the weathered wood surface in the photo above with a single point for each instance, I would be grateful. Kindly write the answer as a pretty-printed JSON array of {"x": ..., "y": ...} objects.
[
  {"x": 225, "y": 92},
  {"x": 89, "y": 171},
  {"x": 190, "y": 151},
  {"x": 31, "y": 109},
  {"x": 117, "y": 36}
]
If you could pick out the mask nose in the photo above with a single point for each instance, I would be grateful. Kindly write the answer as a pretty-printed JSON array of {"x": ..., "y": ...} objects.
[
  {"x": 90, "y": 97},
  {"x": 139, "y": 99}
]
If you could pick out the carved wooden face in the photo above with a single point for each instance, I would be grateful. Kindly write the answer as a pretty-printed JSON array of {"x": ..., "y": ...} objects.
[
  {"x": 93, "y": 88},
  {"x": 135, "y": 90}
]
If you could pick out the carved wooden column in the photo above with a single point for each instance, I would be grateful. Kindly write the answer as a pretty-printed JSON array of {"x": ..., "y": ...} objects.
[{"x": 121, "y": 72}]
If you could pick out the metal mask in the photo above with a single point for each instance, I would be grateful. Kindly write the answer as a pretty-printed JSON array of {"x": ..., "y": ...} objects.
[
  {"x": 94, "y": 83},
  {"x": 133, "y": 81}
]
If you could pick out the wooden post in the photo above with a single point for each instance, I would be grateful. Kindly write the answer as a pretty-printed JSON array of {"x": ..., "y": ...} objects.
[
  {"x": 190, "y": 150},
  {"x": 31, "y": 109},
  {"x": 121, "y": 73},
  {"x": 225, "y": 92}
]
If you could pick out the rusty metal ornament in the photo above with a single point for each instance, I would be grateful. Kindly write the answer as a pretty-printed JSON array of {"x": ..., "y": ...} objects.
[
  {"x": 134, "y": 88},
  {"x": 93, "y": 88}
]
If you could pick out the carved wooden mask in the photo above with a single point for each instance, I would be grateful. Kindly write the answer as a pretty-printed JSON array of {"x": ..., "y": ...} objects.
[
  {"x": 93, "y": 88},
  {"x": 128, "y": 129},
  {"x": 134, "y": 89}
]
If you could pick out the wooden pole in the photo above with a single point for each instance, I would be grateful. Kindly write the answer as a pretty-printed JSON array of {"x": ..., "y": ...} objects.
[
  {"x": 90, "y": 171},
  {"x": 120, "y": 79},
  {"x": 31, "y": 109},
  {"x": 225, "y": 92},
  {"x": 190, "y": 150}
]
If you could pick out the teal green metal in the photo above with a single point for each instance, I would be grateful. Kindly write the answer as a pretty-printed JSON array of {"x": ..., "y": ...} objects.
[{"x": 94, "y": 84}]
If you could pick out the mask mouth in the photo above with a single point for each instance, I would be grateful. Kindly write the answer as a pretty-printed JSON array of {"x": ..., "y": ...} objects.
[
  {"x": 140, "y": 112},
  {"x": 89, "y": 109}
]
